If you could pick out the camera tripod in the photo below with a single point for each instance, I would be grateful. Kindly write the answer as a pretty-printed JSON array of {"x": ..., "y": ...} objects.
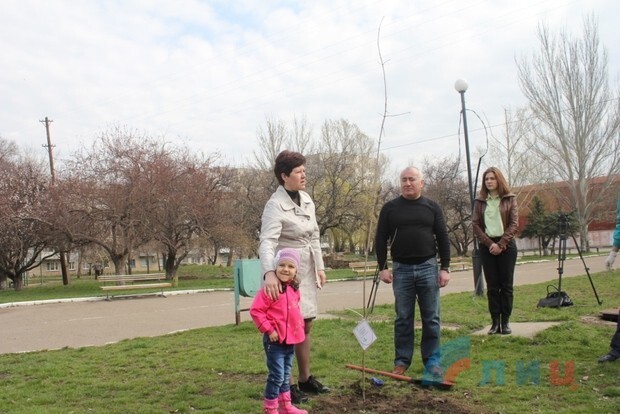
[
  {"x": 563, "y": 230},
  {"x": 373, "y": 291}
]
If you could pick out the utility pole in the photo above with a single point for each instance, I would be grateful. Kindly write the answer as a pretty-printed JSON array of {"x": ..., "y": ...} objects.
[{"x": 49, "y": 146}]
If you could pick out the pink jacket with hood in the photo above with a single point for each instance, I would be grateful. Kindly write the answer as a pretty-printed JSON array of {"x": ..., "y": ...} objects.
[{"x": 282, "y": 315}]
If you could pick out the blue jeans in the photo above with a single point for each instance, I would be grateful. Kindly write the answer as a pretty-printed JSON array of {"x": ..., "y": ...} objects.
[
  {"x": 419, "y": 282},
  {"x": 279, "y": 363}
]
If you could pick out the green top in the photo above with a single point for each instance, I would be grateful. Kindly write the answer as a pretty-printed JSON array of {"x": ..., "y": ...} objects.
[{"x": 492, "y": 218}]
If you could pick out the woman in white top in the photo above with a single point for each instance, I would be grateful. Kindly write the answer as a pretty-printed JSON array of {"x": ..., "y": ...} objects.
[{"x": 289, "y": 221}]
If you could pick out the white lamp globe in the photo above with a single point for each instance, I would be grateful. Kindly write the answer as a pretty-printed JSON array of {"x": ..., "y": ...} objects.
[{"x": 461, "y": 85}]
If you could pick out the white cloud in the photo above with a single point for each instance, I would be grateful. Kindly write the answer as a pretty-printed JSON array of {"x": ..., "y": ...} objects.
[{"x": 209, "y": 72}]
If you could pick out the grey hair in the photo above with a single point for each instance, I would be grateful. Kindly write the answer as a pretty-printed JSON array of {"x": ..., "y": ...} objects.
[{"x": 412, "y": 168}]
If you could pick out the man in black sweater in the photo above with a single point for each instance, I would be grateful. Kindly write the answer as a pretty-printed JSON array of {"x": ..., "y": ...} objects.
[{"x": 414, "y": 228}]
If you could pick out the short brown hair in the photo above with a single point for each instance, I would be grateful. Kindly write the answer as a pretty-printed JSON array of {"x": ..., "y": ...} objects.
[
  {"x": 287, "y": 161},
  {"x": 502, "y": 184}
]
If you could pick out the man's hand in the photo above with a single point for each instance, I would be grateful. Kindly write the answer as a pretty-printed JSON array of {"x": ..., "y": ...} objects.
[
  {"x": 444, "y": 278},
  {"x": 609, "y": 262},
  {"x": 271, "y": 286},
  {"x": 386, "y": 276}
]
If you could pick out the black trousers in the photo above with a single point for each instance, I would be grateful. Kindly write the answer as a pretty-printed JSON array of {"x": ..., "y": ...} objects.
[{"x": 499, "y": 274}]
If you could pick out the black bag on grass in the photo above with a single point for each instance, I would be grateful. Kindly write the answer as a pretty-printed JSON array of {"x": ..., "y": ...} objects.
[{"x": 555, "y": 299}]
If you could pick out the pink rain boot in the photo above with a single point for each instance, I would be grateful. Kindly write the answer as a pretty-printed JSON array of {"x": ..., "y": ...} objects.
[
  {"x": 270, "y": 406},
  {"x": 285, "y": 405}
]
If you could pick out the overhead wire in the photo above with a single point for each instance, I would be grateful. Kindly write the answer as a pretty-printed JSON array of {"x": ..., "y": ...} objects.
[{"x": 335, "y": 50}]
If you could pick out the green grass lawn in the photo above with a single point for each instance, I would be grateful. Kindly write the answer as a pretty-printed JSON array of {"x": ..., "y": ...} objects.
[{"x": 221, "y": 370}]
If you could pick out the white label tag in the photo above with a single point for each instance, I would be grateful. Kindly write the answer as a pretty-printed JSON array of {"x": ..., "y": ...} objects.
[{"x": 364, "y": 334}]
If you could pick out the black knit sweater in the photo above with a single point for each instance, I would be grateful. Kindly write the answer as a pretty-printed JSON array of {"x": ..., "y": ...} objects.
[{"x": 416, "y": 230}]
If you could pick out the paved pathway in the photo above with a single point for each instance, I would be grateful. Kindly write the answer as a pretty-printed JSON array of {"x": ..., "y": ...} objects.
[{"x": 97, "y": 322}]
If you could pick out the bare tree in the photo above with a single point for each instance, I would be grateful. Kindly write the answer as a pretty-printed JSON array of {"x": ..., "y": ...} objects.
[
  {"x": 25, "y": 240},
  {"x": 8, "y": 150},
  {"x": 444, "y": 183},
  {"x": 249, "y": 192},
  {"x": 510, "y": 151},
  {"x": 278, "y": 136},
  {"x": 340, "y": 175},
  {"x": 107, "y": 202},
  {"x": 301, "y": 135},
  {"x": 271, "y": 141},
  {"x": 340, "y": 166},
  {"x": 577, "y": 118},
  {"x": 181, "y": 189}
]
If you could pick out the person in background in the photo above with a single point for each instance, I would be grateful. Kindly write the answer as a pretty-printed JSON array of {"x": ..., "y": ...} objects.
[
  {"x": 614, "y": 351},
  {"x": 289, "y": 220},
  {"x": 414, "y": 228},
  {"x": 495, "y": 221},
  {"x": 282, "y": 326}
]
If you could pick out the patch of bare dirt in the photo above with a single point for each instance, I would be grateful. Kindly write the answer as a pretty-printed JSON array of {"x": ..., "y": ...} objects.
[
  {"x": 595, "y": 320},
  {"x": 379, "y": 400}
]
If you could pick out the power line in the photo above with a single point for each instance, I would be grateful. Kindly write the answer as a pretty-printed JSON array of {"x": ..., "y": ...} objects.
[{"x": 503, "y": 124}]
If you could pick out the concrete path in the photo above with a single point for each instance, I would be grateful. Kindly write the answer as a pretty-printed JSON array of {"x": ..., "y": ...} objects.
[
  {"x": 525, "y": 329},
  {"x": 94, "y": 322}
]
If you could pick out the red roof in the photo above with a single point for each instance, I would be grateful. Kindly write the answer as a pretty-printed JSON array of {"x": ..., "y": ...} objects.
[{"x": 555, "y": 198}]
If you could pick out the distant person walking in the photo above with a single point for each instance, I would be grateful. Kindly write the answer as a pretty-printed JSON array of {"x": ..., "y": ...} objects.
[
  {"x": 289, "y": 220},
  {"x": 495, "y": 221},
  {"x": 282, "y": 326},
  {"x": 98, "y": 270},
  {"x": 414, "y": 228},
  {"x": 614, "y": 351}
]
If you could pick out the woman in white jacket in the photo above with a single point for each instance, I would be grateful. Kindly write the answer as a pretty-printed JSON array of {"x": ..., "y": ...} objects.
[{"x": 289, "y": 221}]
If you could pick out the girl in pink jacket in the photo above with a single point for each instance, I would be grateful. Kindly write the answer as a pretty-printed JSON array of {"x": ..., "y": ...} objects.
[{"x": 282, "y": 326}]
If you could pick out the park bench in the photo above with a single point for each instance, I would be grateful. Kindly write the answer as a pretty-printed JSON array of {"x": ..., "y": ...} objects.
[
  {"x": 131, "y": 282},
  {"x": 370, "y": 267},
  {"x": 363, "y": 267},
  {"x": 459, "y": 266}
]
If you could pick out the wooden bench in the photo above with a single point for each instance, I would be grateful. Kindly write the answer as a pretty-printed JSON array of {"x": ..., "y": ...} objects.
[
  {"x": 363, "y": 267},
  {"x": 131, "y": 282},
  {"x": 370, "y": 267},
  {"x": 460, "y": 266}
]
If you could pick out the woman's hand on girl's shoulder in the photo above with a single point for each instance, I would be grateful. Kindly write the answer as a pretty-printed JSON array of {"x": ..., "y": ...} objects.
[{"x": 271, "y": 285}]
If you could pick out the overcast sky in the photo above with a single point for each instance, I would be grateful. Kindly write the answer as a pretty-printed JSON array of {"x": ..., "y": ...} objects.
[{"x": 209, "y": 73}]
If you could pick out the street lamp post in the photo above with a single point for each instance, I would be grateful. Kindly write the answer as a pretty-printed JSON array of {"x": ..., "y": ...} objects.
[{"x": 461, "y": 87}]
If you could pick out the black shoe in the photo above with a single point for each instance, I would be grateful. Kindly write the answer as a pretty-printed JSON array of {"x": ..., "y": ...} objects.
[
  {"x": 506, "y": 326},
  {"x": 608, "y": 358},
  {"x": 298, "y": 397},
  {"x": 312, "y": 386},
  {"x": 494, "y": 326}
]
